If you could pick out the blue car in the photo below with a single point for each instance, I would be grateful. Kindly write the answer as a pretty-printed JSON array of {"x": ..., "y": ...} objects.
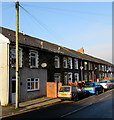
[{"x": 93, "y": 87}]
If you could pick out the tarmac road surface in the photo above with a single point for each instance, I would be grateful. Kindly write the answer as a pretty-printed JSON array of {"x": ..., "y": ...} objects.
[{"x": 100, "y": 106}]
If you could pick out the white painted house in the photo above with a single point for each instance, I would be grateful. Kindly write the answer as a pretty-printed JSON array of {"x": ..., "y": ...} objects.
[{"x": 4, "y": 70}]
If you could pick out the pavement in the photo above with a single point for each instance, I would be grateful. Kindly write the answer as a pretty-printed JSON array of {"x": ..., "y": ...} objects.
[{"x": 27, "y": 106}]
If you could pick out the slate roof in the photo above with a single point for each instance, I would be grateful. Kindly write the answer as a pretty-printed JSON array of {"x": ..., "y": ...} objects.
[{"x": 35, "y": 42}]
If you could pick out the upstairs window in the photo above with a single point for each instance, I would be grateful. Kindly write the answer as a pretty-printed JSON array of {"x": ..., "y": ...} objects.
[
  {"x": 33, "y": 58},
  {"x": 103, "y": 67},
  {"x": 85, "y": 65},
  {"x": 75, "y": 63},
  {"x": 57, "y": 62},
  {"x": 89, "y": 66},
  {"x": 69, "y": 62},
  {"x": 13, "y": 57},
  {"x": 65, "y": 62},
  {"x": 99, "y": 67}
]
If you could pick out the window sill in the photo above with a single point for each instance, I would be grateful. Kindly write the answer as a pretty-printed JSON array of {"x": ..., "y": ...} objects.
[
  {"x": 33, "y": 90},
  {"x": 33, "y": 67},
  {"x": 14, "y": 66}
]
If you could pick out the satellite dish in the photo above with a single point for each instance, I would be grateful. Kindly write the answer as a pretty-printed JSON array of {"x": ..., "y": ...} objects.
[{"x": 44, "y": 65}]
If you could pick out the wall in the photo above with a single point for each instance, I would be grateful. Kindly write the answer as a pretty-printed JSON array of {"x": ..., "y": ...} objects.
[
  {"x": 29, "y": 73},
  {"x": 4, "y": 74}
]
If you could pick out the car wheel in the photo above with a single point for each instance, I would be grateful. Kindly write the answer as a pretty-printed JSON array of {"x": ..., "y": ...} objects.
[{"x": 97, "y": 92}]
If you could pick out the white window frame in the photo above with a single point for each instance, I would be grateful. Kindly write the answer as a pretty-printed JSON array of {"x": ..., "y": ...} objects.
[
  {"x": 57, "y": 77},
  {"x": 69, "y": 62},
  {"x": 77, "y": 76},
  {"x": 70, "y": 76},
  {"x": 13, "y": 56},
  {"x": 36, "y": 58},
  {"x": 65, "y": 62},
  {"x": 57, "y": 62},
  {"x": 89, "y": 66},
  {"x": 35, "y": 82},
  {"x": 76, "y": 63}
]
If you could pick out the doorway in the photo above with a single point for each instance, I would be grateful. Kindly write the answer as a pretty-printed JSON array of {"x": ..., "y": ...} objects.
[{"x": 13, "y": 90}]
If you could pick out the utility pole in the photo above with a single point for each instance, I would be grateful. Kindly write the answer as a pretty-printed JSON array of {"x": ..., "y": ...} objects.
[{"x": 17, "y": 54}]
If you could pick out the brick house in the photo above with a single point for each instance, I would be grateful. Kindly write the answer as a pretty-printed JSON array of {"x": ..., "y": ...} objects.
[{"x": 62, "y": 65}]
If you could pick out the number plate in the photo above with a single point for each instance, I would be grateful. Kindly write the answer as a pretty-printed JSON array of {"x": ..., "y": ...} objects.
[
  {"x": 87, "y": 88},
  {"x": 64, "y": 94}
]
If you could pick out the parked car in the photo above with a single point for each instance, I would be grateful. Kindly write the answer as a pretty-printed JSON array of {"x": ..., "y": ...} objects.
[
  {"x": 93, "y": 87},
  {"x": 107, "y": 84},
  {"x": 71, "y": 92},
  {"x": 112, "y": 81}
]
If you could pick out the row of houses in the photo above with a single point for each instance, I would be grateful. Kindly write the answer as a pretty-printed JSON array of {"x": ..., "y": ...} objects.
[{"x": 41, "y": 62}]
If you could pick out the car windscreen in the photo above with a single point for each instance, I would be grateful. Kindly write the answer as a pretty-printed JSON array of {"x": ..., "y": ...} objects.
[
  {"x": 64, "y": 89},
  {"x": 103, "y": 81},
  {"x": 89, "y": 85}
]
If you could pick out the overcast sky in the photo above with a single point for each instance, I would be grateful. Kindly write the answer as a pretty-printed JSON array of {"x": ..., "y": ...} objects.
[{"x": 70, "y": 24}]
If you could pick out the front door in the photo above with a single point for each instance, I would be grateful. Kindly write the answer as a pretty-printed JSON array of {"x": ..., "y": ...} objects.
[{"x": 13, "y": 90}]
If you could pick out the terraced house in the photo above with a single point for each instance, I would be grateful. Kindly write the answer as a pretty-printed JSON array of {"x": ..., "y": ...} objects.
[{"x": 41, "y": 61}]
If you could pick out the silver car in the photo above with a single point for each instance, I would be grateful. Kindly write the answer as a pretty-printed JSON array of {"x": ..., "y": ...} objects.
[{"x": 107, "y": 84}]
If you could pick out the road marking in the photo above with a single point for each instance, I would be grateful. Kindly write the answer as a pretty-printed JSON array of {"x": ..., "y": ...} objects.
[
  {"x": 83, "y": 107},
  {"x": 104, "y": 97},
  {"x": 76, "y": 110}
]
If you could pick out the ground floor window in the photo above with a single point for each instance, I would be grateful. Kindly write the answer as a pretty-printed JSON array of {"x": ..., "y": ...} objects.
[
  {"x": 85, "y": 76},
  {"x": 32, "y": 84},
  {"x": 90, "y": 76},
  {"x": 70, "y": 76},
  {"x": 76, "y": 76},
  {"x": 57, "y": 77}
]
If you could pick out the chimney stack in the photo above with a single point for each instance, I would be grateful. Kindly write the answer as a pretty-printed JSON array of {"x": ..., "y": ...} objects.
[{"x": 81, "y": 50}]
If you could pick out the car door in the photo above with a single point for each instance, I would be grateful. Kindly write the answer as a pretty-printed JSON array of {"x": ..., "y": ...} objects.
[{"x": 98, "y": 87}]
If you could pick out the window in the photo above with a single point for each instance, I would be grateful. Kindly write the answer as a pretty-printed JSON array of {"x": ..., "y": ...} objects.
[
  {"x": 33, "y": 58},
  {"x": 75, "y": 63},
  {"x": 13, "y": 57},
  {"x": 85, "y": 65},
  {"x": 64, "y": 62},
  {"x": 105, "y": 68},
  {"x": 76, "y": 76},
  {"x": 57, "y": 62},
  {"x": 102, "y": 67},
  {"x": 57, "y": 77},
  {"x": 32, "y": 84},
  {"x": 85, "y": 76},
  {"x": 70, "y": 76},
  {"x": 90, "y": 66},
  {"x": 90, "y": 76},
  {"x": 69, "y": 62}
]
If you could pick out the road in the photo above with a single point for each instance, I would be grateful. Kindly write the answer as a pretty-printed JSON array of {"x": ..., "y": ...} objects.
[{"x": 100, "y": 106}]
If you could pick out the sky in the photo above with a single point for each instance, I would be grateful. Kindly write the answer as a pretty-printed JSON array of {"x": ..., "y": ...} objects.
[{"x": 69, "y": 24}]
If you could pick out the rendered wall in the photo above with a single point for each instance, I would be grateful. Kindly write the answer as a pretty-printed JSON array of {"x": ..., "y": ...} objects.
[{"x": 4, "y": 78}]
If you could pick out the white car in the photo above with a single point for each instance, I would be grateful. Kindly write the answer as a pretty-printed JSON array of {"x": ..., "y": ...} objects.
[{"x": 107, "y": 84}]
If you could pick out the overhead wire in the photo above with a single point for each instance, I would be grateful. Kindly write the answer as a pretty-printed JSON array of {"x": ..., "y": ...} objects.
[
  {"x": 66, "y": 10},
  {"x": 37, "y": 21}
]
